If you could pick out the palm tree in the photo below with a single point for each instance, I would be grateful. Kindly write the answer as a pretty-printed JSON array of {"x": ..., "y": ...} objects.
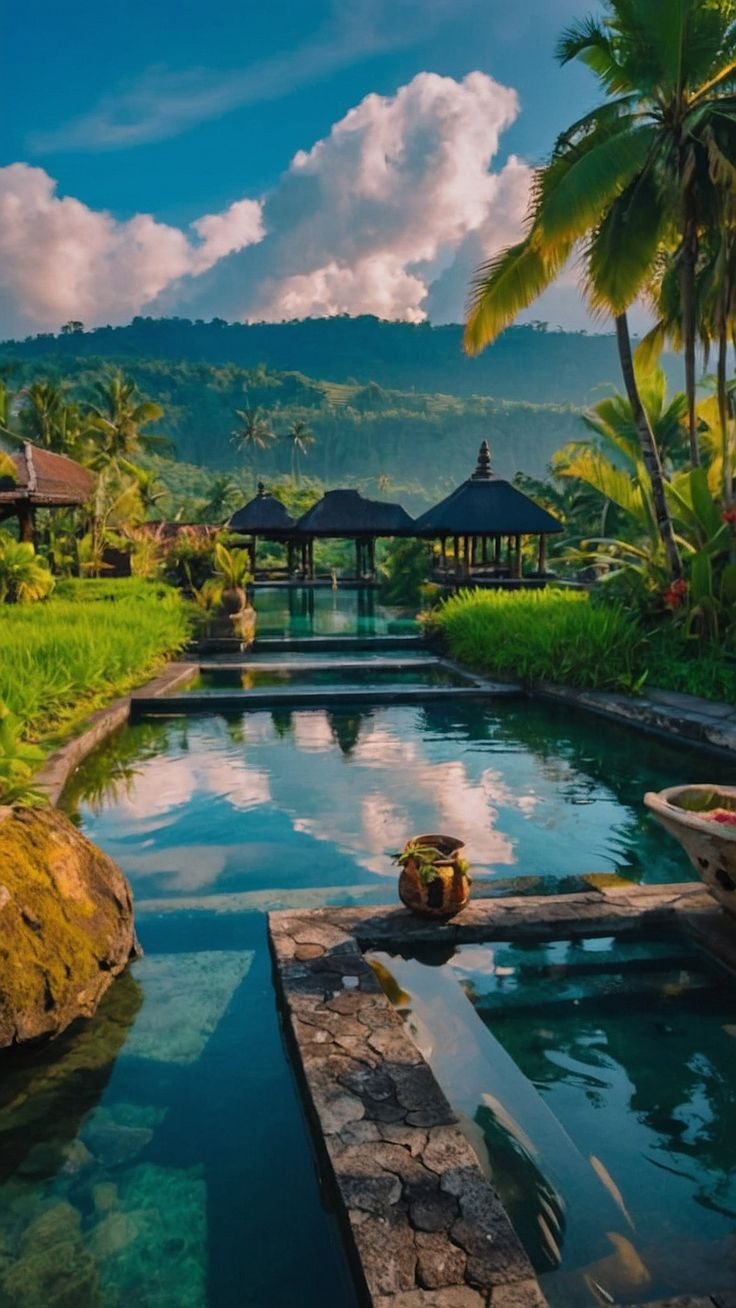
[
  {"x": 117, "y": 414},
  {"x": 254, "y": 433},
  {"x": 629, "y": 178},
  {"x": 300, "y": 438}
]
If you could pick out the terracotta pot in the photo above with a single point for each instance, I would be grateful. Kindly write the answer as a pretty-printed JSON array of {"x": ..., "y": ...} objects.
[
  {"x": 448, "y": 891},
  {"x": 710, "y": 845},
  {"x": 233, "y": 599}
]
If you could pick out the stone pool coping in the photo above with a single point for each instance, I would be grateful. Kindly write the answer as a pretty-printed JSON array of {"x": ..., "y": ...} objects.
[
  {"x": 59, "y": 766},
  {"x": 425, "y": 1227},
  {"x": 707, "y": 723}
]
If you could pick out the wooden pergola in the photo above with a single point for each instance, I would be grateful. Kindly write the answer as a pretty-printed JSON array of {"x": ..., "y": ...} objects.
[
  {"x": 480, "y": 527},
  {"x": 346, "y": 515},
  {"x": 42, "y": 480},
  {"x": 265, "y": 518}
]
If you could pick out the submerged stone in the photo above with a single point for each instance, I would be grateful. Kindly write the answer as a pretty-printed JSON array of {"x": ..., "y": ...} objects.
[
  {"x": 185, "y": 996},
  {"x": 66, "y": 924}
]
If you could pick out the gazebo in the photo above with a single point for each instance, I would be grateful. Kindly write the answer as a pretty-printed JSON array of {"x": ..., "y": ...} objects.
[
  {"x": 42, "y": 480},
  {"x": 479, "y": 518},
  {"x": 265, "y": 517},
  {"x": 346, "y": 515}
]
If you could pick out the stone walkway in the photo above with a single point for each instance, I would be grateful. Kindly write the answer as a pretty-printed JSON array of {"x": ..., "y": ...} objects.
[{"x": 426, "y": 1227}]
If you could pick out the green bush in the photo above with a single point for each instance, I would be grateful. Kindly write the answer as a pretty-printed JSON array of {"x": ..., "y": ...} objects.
[
  {"x": 544, "y": 635},
  {"x": 89, "y": 642}
]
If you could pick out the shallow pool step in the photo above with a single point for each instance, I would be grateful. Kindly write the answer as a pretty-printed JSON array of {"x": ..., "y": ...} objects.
[
  {"x": 277, "y": 644},
  {"x": 325, "y": 697}
]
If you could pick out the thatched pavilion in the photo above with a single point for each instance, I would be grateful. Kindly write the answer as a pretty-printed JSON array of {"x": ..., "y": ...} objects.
[
  {"x": 265, "y": 517},
  {"x": 480, "y": 528},
  {"x": 346, "y": 515},
  {"x": 42, "y": 480}
]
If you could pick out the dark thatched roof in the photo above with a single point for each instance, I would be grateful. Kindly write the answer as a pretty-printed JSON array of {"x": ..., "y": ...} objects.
[
  {"x": 486, "y": 505},
  {"x": 262, "y": 516},
  {"x": 45, "y": 480},
  {"x": 346, "y": 513}
]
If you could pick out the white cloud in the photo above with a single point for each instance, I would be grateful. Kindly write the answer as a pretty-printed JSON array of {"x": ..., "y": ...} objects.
[
  {"x": 360, "y": 222},
  {"x": 60, "y": 259},
  {"x": 388, "y": 214}
]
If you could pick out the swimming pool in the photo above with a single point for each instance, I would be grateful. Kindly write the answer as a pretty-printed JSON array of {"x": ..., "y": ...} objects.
[
  {"x": 594, "y": 1080},
  {"x": 163, "y": 1147}
]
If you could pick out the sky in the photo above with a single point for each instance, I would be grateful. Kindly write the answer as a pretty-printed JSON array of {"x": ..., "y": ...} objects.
[{"x": 257, "y": 161}]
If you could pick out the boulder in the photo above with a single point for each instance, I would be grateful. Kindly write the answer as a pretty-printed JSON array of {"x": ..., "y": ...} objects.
[{"x": 66, "y": 924}]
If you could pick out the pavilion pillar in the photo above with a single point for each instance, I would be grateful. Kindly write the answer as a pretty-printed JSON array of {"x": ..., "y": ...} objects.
[
  {"x": 310, "y": 551},
  {"x": 456, "y": 555},
  {"x": 542, "y": 561},
  {"x": 253, "y": 556},
  {"x": 443, "y": 553},
  {"x": 26, "y": 523},
  {"x": 517, "y": 556},
  {"x": 467, "y": 556},
  {"x": 289, "y": 557},
  {"x": 485, "y": 549},
  {"x": 358, "y": 559},
  {"x": 497, "y": 553},
  {"x": 372, "y": 557}
]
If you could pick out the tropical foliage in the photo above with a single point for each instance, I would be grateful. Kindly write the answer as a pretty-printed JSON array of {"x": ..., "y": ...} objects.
[{"x": 639, "y": 185}]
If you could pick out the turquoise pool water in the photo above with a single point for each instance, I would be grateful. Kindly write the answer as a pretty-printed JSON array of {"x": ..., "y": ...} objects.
[
  {"x": 159, "y": 1156},
  {"x": 595, "y": 1081},
  {"x": 364, "y": 674},
  {"x": 321, "y": 611}
]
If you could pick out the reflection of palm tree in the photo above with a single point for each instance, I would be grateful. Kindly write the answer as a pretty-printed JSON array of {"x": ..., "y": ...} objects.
[{"x": 283, "y": 722}]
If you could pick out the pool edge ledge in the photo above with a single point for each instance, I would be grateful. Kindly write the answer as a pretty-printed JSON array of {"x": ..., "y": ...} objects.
[{"x": 425, "y": 1226}]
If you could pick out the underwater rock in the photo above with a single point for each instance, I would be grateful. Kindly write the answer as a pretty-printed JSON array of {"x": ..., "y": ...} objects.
[
  {"x": 165, "y": 1264},
  {"x": 113, "y": 1144},
  {"x": 186, "y": 998},
  {"x": 66, "y": 924},
  {"x": 54, "y": 1268}
]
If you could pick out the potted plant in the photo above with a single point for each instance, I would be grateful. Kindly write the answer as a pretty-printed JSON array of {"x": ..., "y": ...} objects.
[
  {"x": 435, "y": 878},
  {"x": 233, "y": 567},
  {"x": 703, "y": 819}
]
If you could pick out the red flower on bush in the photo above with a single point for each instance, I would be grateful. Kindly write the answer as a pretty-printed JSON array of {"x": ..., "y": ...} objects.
[
  {"x": 675, "y": 595},
  {"x": 729, "y": 515}
]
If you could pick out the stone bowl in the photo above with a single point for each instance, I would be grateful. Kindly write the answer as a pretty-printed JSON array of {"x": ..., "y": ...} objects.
[{"x": 710, "y": 845}]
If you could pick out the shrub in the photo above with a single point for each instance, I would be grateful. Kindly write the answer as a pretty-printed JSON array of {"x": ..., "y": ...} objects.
[
  {"x": 548, "y": 635},
  {"x": 24, "y": 578}
]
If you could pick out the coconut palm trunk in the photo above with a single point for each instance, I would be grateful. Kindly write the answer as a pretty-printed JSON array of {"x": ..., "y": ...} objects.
[
  {"x": 687, "y": 294},
  {"x": 649, "y": 450}
]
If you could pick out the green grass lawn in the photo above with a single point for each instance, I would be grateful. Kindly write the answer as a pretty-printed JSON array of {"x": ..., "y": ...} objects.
[{"x": 90, "y": 641}]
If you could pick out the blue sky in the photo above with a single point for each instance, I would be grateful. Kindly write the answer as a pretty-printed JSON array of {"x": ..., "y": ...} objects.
[{"x": 180, "y": 110}]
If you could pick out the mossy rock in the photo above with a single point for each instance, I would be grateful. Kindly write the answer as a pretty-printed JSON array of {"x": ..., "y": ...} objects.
[{"x": 66, "y": 924}]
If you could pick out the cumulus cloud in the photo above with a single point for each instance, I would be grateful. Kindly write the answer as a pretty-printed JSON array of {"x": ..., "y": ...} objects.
[
  {"x": 362, "y": 222},
  {"x": 60, "y": 259},
  {"x": 388, "y": 215}
]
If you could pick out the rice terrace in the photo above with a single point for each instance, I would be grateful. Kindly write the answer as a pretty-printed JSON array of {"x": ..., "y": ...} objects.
[{"x": 368, "y": 655}]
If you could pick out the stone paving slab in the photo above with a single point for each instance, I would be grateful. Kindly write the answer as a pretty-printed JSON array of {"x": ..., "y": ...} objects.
[{"x": 428, "y": 1229}]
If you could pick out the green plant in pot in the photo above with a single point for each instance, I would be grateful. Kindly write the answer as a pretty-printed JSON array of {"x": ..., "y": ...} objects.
[
  {"x": 435, "y": 878},
  {"x": 233, "y": 566}
]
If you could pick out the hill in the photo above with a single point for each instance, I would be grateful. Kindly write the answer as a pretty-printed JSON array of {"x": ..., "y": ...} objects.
[
  {"x": 527, "y": 363},
  {"x": 361, "y": 431}
]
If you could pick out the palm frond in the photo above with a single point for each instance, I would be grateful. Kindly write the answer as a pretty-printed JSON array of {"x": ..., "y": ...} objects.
[{"x": 505, "y": 285}]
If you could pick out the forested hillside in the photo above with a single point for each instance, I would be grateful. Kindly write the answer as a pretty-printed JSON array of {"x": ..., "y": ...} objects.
[
  {"x": 526, "y": 363},
  {"x": 360, "y": 431}
]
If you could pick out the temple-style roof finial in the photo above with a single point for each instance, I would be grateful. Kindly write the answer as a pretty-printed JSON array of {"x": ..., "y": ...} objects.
[
  {"x": 261, "y": 489},
  {"x": 483, "y": 471}
]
